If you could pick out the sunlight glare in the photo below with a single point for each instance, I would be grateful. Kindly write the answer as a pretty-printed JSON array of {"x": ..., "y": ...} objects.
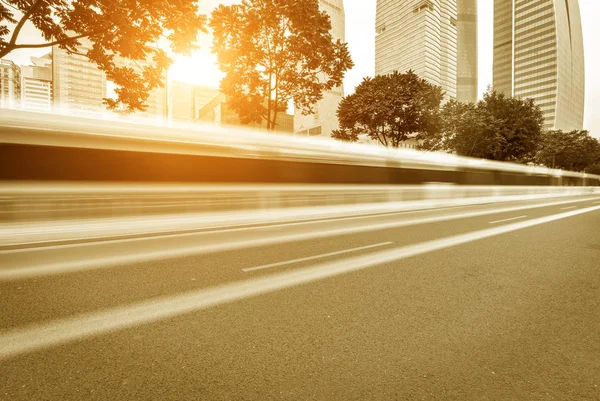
[{"x": 199, "y": 69}]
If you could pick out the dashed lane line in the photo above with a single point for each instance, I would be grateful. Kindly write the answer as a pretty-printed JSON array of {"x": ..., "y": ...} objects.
[
  {"x": 324, "y": 255},
  {"x": 512, "y": 218}
]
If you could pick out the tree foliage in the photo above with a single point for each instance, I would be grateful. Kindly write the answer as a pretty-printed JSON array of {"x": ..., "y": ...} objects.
[
  {"x": 499, "y": 127},
  {"x": 116, "y": 29},
  {"x": 390, "y": 109},
  {"x": 575, "y": 150},
  {"x": 274, "y": 51}
]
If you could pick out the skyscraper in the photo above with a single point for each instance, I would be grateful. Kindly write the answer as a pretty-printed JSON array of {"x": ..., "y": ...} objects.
[
  {"x": 79, "y": 86},
  {"x": 418, "y": 35},
  {"x": 466, "y": 81},
  {"x": 10, "y": 84},
  {"x": 324, "y": 120},
  {"x": 538, "y": 54}
]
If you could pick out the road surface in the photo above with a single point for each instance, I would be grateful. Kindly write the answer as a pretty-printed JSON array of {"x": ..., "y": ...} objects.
[{"x": 489, "y": 302}]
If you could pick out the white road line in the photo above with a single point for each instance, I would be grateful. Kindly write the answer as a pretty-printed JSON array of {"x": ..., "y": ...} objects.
[
  {"x": 22, "y": 264},
  {"x": 324, "y": 255},
  {"x": 568, "y": 207},
  {"x": 62, "y": 331},
  {"x": 512, "y": 218}
]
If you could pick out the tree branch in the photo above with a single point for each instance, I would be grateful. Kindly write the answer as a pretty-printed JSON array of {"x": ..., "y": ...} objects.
[
  {"x": 10, "y": 5},
  {"x": 56, "y": 42},
  {"x": 13, "y": 38}
]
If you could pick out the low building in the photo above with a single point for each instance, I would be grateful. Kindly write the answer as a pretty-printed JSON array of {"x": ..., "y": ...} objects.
[
  {"x": 10, "y": 84},
  {"x": 157, "y": 103},
  {"x": 36, "y": 84},
  {"x": 218, "y": 112},
  {"x": 186, "y": 100}
]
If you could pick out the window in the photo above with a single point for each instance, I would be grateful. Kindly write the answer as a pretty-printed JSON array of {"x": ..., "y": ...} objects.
[{"x": 424, "y": 6}]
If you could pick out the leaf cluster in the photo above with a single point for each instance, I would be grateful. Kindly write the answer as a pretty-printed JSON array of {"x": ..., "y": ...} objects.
[
  {"x": 498, "y": 127},
  {"x": 390, "y": 109},
  {"x": 273, "y": 52},
  {"x": 574, "y": 150},
  {"x": 126, "y": 29}
]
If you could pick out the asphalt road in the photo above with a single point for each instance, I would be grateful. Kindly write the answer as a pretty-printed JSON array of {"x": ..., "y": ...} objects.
[{"x": 490, "y": 302}]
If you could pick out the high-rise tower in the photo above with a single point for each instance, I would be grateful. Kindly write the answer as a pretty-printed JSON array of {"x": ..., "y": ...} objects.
[
  {"x": 418, "y": 35},
  {"x": 324, "y": 120},
  {"x": 78, "y": 85},
  {"x": 538, "y": 54},
  {"x": 466, "y": 81}
]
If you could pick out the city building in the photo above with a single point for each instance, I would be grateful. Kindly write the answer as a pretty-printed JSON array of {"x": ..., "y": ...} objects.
[
  {"x": 186, "y": 100},
  {"x": 418, "y": 35},
  {"x": 36, "y": 84},
  {"x": 10, "y": 85},
  {"x": 78, "y": 85},
  {"x": 324, "y": 120},
  {"x": 466, "y": 60},
  {"x": 538, "y": 54},
  {"x": 217, "y": 111},
  {"x": 157, "y": 102}
]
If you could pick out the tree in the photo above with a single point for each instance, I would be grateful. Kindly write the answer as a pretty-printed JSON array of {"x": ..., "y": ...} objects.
[
  {"x": 390, "y": 109},
  {"x": 499, "y": 127},
  {"x": 274, "y": 51},
  {"x": 574, "y": 150},
  {"x": 116, "y": 29}
]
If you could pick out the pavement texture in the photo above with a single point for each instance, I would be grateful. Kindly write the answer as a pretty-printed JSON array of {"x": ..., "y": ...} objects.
[{"x": 511, "y": 317}]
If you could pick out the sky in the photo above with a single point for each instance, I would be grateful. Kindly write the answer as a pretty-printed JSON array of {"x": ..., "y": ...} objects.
[{"x": 360, "y": 35}]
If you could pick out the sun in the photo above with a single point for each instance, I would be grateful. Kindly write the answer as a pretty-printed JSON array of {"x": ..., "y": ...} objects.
[{"x": 200, "y": 69}]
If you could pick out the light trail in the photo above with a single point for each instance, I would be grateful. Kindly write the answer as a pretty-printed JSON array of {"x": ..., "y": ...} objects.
[{"x": 36, "y": 337}]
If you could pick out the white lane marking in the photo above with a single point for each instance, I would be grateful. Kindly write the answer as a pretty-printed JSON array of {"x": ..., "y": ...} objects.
[
  {"x": 512, "y": 218},
  {"x": 61, "y": 331},
  {"x": 324, "y": 255},
  {"x": 568, "y": 207},
  {"x": 22, "y": 264}
]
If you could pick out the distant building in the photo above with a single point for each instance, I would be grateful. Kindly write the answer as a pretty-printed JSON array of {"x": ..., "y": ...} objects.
[
  {"x": 538, "y": 54},
  {"x": 157, "y": 103},
  {"x": 418, "y": 35},
  {"x": 324, "y": 120},
  {"x": 79, "y": 86},
  {"x": 217, "y": 111},
  {"x": 186, "y": 100},
  {"x": 36, "y": 93},
  {"x": 10, "y": 84},
  {"x": 466, "y": 61}
]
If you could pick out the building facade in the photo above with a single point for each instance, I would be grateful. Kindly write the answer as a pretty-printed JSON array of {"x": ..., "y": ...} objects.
[
  {"x": 36, "y": 84},
  {"x": 10, "y": 84},
  {"x": 466, "y": 60},
  {"x": 186, "y": 100},
  {"x": 324, "y": 120},
  {"x": 418, "y": 35},
  {"x": 538, "y": 54},
  {"x": 79, "y": 86},
  {"x": 216, "y": 111},
  {"x": 157, "y": 102}
]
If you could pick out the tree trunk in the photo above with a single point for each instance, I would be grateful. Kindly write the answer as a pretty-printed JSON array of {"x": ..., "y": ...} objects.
[{"x": 269, "y": 103}]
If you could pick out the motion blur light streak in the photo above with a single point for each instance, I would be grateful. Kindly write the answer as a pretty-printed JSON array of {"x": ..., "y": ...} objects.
[
  {"x": 20, "y": 341},
  {"x": 37, "y": 262}
]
